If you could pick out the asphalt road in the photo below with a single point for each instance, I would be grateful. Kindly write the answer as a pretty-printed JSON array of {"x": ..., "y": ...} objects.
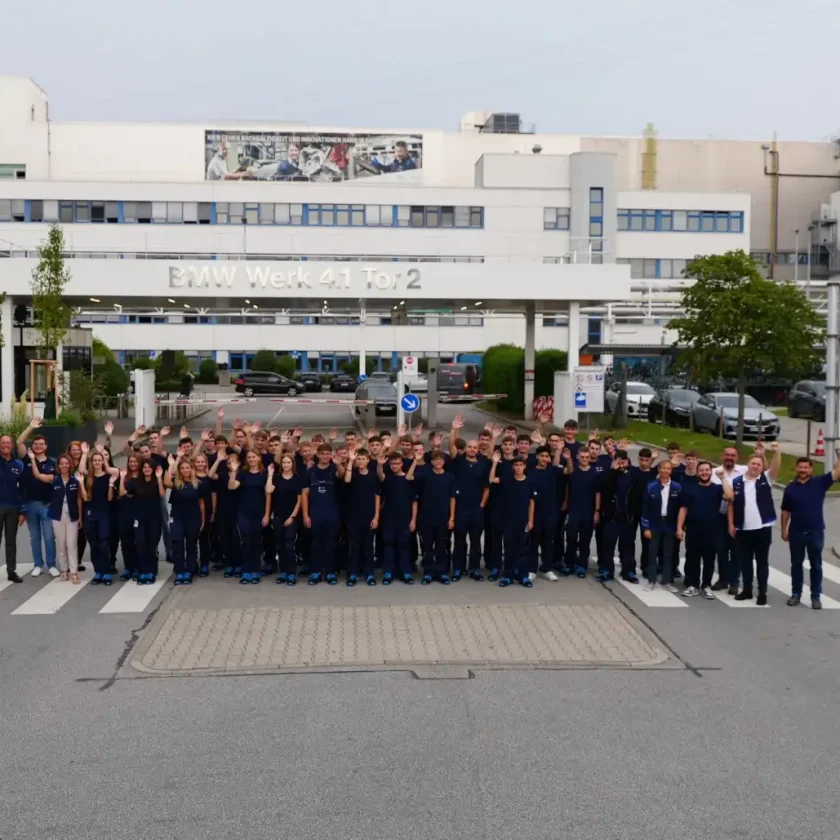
[{"x": 738, "y": 739}]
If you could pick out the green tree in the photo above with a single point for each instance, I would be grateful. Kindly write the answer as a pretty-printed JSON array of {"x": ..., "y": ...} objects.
[
  {"x": 100, "y": 348},
  {"x": 285, "y": 366},
  {"x": 51, "y": 314},
  {"x": 263, "y": 360},
  {"x": 208, "y": 371},
  {"x": 738, "y": 324},
  {"x": 351, "y": 367},
  {"x": 142, "y": 363}
]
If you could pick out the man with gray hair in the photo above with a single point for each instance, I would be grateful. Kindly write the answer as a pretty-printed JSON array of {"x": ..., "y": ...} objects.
[{"x": 217, "y": 168}]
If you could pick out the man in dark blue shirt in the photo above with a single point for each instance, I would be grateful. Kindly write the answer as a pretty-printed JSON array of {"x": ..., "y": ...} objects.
[
  {"x": 584, "y": 502},
  {"x": 320, "y": 513},
  {"x": 11, "y": 471},
  {"x": 697, "y": 525},
  {"x": 362, "y": 515},
  {"x": 399, "y": 519},
  {"x": 803, "y": 526},
  {"x": 547, "y": 482},
  {"x": 36, "y": 499},
  {"x": 436, "y": 493},
  {"x": 401, "y": 162}
]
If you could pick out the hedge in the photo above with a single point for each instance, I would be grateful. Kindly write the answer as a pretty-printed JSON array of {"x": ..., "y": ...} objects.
[
  {"x": 207, "y": 371},
  {"x": 503, "y": 372},
  {"x": 285, "y": 366}
]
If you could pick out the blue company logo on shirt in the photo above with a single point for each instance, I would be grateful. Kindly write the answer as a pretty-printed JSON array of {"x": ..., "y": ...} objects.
[{"x": 322, "y": 488}]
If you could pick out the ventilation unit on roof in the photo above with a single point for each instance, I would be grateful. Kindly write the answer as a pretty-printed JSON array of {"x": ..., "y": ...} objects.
[{"x": 506, "y": 124}]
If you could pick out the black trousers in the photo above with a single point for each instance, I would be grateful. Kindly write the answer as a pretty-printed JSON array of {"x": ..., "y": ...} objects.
[
  {"x": 701, "y": 541},
  {"x": 755, "y": 545},
  {"x": 8, "y": 529}
]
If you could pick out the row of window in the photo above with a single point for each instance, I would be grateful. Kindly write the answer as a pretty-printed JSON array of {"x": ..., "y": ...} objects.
[
  {"x": 787, "y": 258},
  {"x": 690, "y": 221},
  {"x": 654, "y": 269},
  {"x": 233, "y": 213},
  {"x": 271, "y": 320}
]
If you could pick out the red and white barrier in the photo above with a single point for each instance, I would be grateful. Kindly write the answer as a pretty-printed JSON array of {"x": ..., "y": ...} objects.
[
  {"x": 270, "y": 399},
  {"x": 543, "y": 405},
  {"x": 469, "y": 397}
]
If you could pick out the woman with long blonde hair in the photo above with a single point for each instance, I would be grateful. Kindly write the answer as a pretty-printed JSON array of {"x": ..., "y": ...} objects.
[
  {"x": 97, "y": 488},
  {"x": 186, "y": 518}
]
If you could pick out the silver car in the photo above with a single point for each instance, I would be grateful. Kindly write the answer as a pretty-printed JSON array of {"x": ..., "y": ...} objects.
[
  {"x": 712, "y": 410},
  {"x": 639, "y": 394}
]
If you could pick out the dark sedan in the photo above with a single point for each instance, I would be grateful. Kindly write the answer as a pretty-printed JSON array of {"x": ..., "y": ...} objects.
[
  {"x": 382, "y": 392},
  {"x": 672, "y": 406},
  {"x": 807, "y": 399},
  {"x": 342, "y": 382},
  {"x": 309, "y": 381}
]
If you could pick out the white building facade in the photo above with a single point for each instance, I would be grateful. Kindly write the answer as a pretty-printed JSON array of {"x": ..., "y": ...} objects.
[{"x": 220, "y": 240}]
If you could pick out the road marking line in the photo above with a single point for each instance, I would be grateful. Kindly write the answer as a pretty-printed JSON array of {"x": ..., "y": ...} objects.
[
  {"x": 52, "y": 597},
  {"x": 133, "y": 598},
  {"x": 830, "y": 572},
  {"x": 23, "y": 569},
  {"x": 782, "y": 582},
  {"x": 658, "y": 598},
  {"x": 730, "y": 601}
]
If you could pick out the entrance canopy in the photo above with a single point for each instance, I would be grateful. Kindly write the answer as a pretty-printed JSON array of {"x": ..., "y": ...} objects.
[{"x": 509, "y": 286}]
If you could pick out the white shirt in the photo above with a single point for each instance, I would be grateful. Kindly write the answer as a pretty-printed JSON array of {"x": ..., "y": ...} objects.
[
  {"x": 217, "y": 168},
  {"x": 666, "y": 492},
  {"x": 731, "y": 475},
  {"x": 752, "y": 516}
]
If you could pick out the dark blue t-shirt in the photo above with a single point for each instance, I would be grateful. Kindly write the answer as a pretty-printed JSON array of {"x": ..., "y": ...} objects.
[
  {"x": 33, "y": 489},
  {"x": 804, "y": 503},
  {"x": 471, "y": 479},
  {"x": 434, "y": 492},
  {"x": 546, "y": 485},
  {"x": 251, "y": 494},
  {"x": 362, "y": 497},
  {"x": 285, "y": 496},
  {"x": 322, "y": 499},
  {"x": 98, "y": 504},
  {"x": 514, "y": 500},
  {"x": 184, "y": 501},
  {"x": 399, "y": 494},
  {"x": 702, "y": 503},
  {"x": 583, "y": 485}
]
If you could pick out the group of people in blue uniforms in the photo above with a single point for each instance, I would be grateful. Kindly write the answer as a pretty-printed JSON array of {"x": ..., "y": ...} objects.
[{"x": 504, "y": 507}]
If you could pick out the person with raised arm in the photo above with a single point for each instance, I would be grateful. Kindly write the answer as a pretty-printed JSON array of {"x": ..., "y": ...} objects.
[
  {"x": 253, "y": 510},
  {"x": 517, "y": 518},
  {"x": 284, "y": 487},
  {"x": 320, "y": 513},
  {"x": 362, "y": 515},
  {"x": 97, "y": 491},
  {"x": 187, "y": 517}
]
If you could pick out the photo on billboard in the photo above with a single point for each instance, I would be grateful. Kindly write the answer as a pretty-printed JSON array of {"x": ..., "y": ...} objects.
[{"x": 278, "y": 156}]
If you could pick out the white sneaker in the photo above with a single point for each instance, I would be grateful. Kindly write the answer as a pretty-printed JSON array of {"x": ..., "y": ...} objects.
[
  {"x": 36, "y": 572},
  {"x": 649, "y": 587},
  {"x": 532, "y": 576},
  {"x": 671, "y": 588},
  {"x": 53, "y": 572},
  {"x": 707, "y": 593},
  {"x": 550, "y": 575},
  {"x": 691, "y": 591}
]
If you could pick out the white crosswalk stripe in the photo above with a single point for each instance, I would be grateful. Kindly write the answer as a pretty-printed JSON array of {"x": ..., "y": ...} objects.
[
  {"x": 133, "y": 598},
  {"x": 781, "y": 581},
  {"x": 49, "y": 599},
  {"x": 22, "y": 569},
  {"x": 730, "y": 601},
  {"x": 658, "y": 598}
]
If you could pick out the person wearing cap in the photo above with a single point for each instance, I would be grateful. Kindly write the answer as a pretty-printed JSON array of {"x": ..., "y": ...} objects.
[{"x": 517, "y": 515}]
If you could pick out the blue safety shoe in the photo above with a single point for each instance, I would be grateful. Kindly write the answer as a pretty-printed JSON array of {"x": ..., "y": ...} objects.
[
  {"x": 314, "y": 578},
  {"x": 493, "y": 574},
  {"x": 580, "y": 571},
  {"x": 204, "y": 571},
  {"x": 352, "y": 580},
  {"x": 96, "y": 579},
  {"x": 256, "y": 577},
  {"x": 291, "y": 580},
  {"x": 370, "y": 580},
  {"x": 188, "y": 578},
  {"x": 331, "y": 579},
  {"x": 179, "y": 579},
  {"x": 229, "y": 572},
  {"x": 106, "y": 579},
  {"x": 444, "y": 579},
  {"x": 427, "y": 579},
  {"x": 282, "y": 578},
  {"x": 135, "y": 574},
  {"x": 125, "y": 574},
  {"x": 408, "y": 579},
  {"x": 457, "y": 575},
  {"x": 245, "y": 577},
  {"x": 237, "y": 571},
  {"x": 630, "y": 577},
  {"x": 564, "y": 571},
  {"x": 526, "y": 581},
  {"x": 603, "y": 576},
  {"x": 505, "y": 581},
  {"x": 387, "y": 578},
  {"x": 475, "y": 574}
]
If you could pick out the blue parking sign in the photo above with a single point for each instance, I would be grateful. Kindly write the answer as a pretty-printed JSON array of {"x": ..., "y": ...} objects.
[
  {"x": 580, "y": 399},
  {"x": 410, "y": 403}
]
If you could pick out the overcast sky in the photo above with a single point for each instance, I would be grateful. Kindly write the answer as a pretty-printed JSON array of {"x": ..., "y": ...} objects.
[{"x": 713, "y": 68}]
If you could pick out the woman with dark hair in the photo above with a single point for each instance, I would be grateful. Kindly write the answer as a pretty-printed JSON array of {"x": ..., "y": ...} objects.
[
  {"x": 145, "y": 492},
  {"x": 127, "y": 516},
  {"x": 284, "y": 488},
  {"x": 97, "y": 492},
  {"x": 252, "y": 512}
]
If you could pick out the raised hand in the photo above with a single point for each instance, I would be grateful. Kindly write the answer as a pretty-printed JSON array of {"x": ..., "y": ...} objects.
[
  {"x": 496, "y": 429},
  {"x": 123, "y": 474},
  {"x": 774, "y": 446},
  {"x": 402, "y": 430},
  {"x": 270, "y": 469},
  {"x": 285, "y": 438},
  {"x": 85, "y": 447},
  {"x": 171, "y": 459},
  {"x": 544, "y": 417},
  {"x": 759, "y": 448},
  {"x": 594, "y": 434},
  {"x": 333, "y": 433},
  {"x": 623, "y": 444},
  {"x": 654, "y": 455},
  {"x": 255, "y": 426},
  {"x": 237, "y": 424},
  {"x": 205, "y": 435},
  {"x": 567, "y": 454},
  {"x": 31, "y": 454},
  {"x": 100, "y": 447},
  {"x": 488, "y": 426},
  {"x": 458, "y": 422},
  {"x": 184, "y": 432},
  {"x": 497, "y": 456},
  {"x": 537, "y": 438},
  {"x": 417, "y": 433},
  {"x": 220, "y": 414},
  {"x": 165, "y": 431},
  {"x": 719, "y": 472},
  {"x": 159, "y": 472},
  {"x": 140, "y": 430},
  {"x": 109, "y": 428},
  {"x": 371, "y": 433}
]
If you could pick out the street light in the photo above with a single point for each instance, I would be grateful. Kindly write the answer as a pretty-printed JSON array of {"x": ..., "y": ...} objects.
[{"x": 796, "y": 264}]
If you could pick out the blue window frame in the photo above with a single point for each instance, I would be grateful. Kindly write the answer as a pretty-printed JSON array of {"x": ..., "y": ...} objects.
[
  {"x": 691, "y": 221},
  {"x": 624, "y": 220}
]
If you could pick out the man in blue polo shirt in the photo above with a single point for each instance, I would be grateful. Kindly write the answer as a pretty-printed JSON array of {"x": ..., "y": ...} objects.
[
  {"x": 11, "y": 470},
  {"x": 803, "y": 526}
]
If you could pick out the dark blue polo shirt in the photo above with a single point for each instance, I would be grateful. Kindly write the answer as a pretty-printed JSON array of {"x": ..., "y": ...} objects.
[
  {"x": 11, "y": 472},
  {"x": 804, "y": 502},
  {"x": 471, "y": 478},
  {"x": 546, "y": 485},
  {"x": 702, "y": 503},
  {"x": 434, "y": 493},
  {"x": 583, "y": 485},
  {"x": 33, "y": 489},
  {"x": 362, "y": 497}
]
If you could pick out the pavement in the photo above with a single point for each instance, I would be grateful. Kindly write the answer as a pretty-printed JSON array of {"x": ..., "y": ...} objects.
[{"x": 573, "y": 709}]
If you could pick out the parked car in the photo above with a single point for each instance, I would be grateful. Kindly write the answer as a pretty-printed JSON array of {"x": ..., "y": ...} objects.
[
  {"x": 457, "y": 379},
  {"x": 382, "y": 392},
  {"x": 710, "y": 409},
  {"x": 807, "y": 399},
  {"x": 672, "y": 406},
  {"x": 417, "y": 385},
  {"x": 265, "y": 382},
  {"x": 639, "y": 395},
  {"x": 342, "y": 382},
  {"x": 310, "y": 380}
]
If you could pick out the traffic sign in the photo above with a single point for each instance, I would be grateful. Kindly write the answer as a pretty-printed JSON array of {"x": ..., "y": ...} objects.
[
  {"x": 409, "y": 366},
  {"x": 588, "y": 387},
  {"x": 295, "y": 354},
  {"x": 362, "y": 377},
  {"x": 410, "y": 403},
  {"x": 580, "y": 400}
]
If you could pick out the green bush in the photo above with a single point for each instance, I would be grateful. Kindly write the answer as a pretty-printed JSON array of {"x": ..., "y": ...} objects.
[
  {"x": 545, "y": 363},
  {"x": 285, "y": 366},
  {"x": 114, "y": 378},
  {"x": 208, "y": 371},
  {"x": 142, "y": 363},
  {"x": 100, "y": 348},
  {"x": 264, "y": 360},
  {"x": 503, "y": 372},
  {"x": 351, "y": 367},
  {"x": 70, "y": 418}
]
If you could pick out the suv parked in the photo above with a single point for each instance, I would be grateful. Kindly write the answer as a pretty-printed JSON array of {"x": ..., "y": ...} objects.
[
  {"x": 807, "y": 399},
  {"x": 310, "y": 381},
  {"x": 266, "y": 382}
]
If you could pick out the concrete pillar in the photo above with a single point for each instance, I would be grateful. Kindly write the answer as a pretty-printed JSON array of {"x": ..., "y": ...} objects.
[
  {"x": 574, "y": 334},
  {"x": 395, "y": 360},
  {"x": 7, "y": 354},
  {"x": 362, "y": 360},
  {"x": 304, "y": 361},
  {"x": 530, "y": 351}
]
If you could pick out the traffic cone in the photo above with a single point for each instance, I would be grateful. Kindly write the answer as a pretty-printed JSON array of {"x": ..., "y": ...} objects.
[{"x": 820, "y": 449}]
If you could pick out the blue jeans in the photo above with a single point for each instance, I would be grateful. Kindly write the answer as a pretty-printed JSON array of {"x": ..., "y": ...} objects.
[
  {"x": 812, "y": 542},
  {"x": 40, "y": 526}
]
